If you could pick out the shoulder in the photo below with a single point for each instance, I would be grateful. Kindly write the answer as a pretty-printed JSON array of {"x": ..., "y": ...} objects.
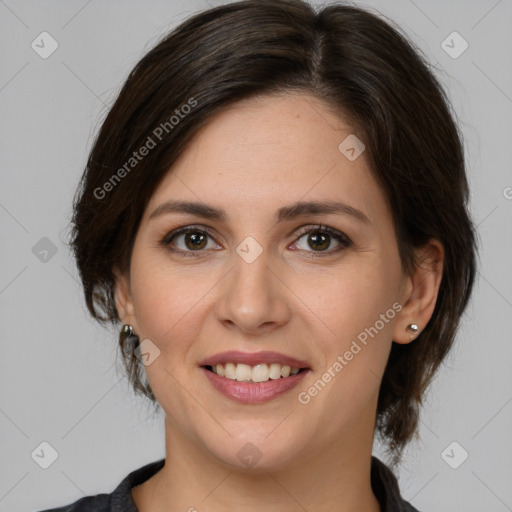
[
  {"x": 120, "y": 500},
  {"x": 407, "y": 507},
  {"x": 385, "y": 487},
  {"x": 98, "y": 503}
]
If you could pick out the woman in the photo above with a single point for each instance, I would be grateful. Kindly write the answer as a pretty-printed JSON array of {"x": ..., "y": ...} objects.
[{"x": 274, "y": 214}]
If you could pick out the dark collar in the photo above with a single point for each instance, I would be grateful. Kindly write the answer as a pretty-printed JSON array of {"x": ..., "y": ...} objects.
[
  {"x": 385, "y": 488},
  {"x": 384, "y": 485}
]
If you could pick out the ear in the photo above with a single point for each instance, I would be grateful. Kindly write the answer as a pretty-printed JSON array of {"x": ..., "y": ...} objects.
[
  {"x": 124, "y": 303},
  {"x": 420, "y": 292}
]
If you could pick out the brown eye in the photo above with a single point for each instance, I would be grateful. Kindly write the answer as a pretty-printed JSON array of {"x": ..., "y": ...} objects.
[
  {"x": 320, "y": 238},
  {"x": 194, "y": 240},
  {"x": 319, "y": 241},
  {"x": 188, "y": 239}
]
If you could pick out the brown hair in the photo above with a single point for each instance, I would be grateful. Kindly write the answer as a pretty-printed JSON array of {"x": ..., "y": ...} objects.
[{"x": 356, "y": 63}]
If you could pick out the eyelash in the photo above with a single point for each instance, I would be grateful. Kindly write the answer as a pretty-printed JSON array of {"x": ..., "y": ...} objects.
[{"x": 337, "y": 235}]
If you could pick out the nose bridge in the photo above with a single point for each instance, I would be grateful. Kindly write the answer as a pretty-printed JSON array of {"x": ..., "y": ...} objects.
[{"x": 251, "y": 296}]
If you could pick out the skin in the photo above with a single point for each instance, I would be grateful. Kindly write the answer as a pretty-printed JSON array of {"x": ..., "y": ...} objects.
[{"x": 259, "y": 155}]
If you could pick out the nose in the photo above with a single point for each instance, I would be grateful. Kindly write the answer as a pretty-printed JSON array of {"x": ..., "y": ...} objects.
[{"x": 253, "y": 296}]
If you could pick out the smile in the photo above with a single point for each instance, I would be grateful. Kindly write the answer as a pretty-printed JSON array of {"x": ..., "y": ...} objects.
[
  {"x": 249, "y": 391},
  {"x": 258, "y": 373}
]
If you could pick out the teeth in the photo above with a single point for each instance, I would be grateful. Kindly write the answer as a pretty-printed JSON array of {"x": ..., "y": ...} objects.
[
  {"x": 243, "y": 372},
  {"x": 275, "y": 371},
  {"x": 259, "y": 373},
  {"x": 229, "y": 371}
]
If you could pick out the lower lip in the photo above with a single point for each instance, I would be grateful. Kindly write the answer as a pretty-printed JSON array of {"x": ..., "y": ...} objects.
[{"x": 253, "y": 392}]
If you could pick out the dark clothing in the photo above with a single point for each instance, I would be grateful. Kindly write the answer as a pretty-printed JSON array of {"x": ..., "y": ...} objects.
[{"x": 384, "y": 485}]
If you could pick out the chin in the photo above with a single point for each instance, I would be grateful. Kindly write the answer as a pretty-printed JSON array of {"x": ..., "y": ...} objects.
[{"x": 258, "y": 452}]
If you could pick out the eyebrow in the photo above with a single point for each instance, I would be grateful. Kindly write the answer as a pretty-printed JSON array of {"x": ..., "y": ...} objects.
[{"x": 285, "y": 213}]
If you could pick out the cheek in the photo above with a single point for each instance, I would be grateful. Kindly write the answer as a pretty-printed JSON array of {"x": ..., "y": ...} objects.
[
  {"x": 354, "y": 297},
  {"x": 355, "y": 325},
  {"x": 167, "y": 308},
  {"x": 165, "y": 302},
  {"x": 363, "y": 318}
]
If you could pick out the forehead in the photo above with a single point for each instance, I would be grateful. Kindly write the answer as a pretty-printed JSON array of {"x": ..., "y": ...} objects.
[{"x": 272, "y": 151}]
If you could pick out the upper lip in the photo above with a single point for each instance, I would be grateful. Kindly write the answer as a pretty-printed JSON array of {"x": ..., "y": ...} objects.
[{"x": 253, "y": 358}]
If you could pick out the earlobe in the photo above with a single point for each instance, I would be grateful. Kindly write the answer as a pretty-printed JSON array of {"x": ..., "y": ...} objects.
[{"x": 421, "y": 293}]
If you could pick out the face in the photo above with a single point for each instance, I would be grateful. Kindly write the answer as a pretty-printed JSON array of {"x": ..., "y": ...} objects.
[{"x": 322, "y": 287}]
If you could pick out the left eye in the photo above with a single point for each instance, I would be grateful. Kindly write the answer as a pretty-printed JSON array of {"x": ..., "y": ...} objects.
[{"x": 319, "y": 239}]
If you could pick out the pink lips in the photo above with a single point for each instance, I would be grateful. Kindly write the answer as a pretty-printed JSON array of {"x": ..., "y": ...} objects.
[{"x": 254, "y": 392}]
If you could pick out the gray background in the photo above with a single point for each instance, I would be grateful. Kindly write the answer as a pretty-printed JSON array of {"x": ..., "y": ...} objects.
[{"x": 59, "y": 380}]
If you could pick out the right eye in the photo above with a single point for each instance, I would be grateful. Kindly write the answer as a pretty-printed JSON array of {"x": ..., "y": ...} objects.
[{"x": 191, "y": 238}]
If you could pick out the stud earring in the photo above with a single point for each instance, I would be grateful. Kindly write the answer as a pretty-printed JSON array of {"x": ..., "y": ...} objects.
[
  {"x": 412, "y": 328},
  {"x": 126, "y": 330},
  {"x": 128, "y": 340}
]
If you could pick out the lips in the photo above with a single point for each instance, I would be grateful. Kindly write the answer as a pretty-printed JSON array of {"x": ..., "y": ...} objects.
[
  {"x": 254, "y": 358},
  {"x": 239, "y": 389},
  {"x": 252, "y": 392}
]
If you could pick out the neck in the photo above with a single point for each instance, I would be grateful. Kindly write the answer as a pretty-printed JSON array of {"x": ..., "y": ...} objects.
[{"x": 193, "y": 479}]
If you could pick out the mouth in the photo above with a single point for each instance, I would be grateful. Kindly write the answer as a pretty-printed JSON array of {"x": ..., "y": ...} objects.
[
  {"x": 251, "y": 378},
  {"x": 262, "y": 372},
  {"x": 253, "y": 384}
]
